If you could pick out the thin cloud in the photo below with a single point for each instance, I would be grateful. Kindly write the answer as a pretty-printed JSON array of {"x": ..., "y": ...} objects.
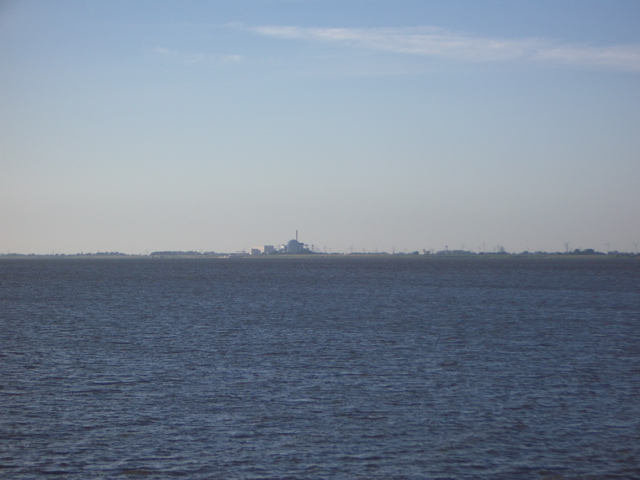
[
  {"x": 619, "y": 57},
  {"x": 197, "y": 58},
  {"x": 231, "y": 58},
  {"x": 436, "y": 42}
]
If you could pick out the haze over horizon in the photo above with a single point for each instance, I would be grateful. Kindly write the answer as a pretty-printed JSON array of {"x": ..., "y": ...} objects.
[{"x": 378, "y": 125}]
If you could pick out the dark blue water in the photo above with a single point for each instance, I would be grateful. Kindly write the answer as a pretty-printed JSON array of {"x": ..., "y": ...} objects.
[{"x": 376, "y": 368}]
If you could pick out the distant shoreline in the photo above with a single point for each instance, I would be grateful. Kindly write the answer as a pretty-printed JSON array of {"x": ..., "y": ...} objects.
[{"x": 399, "y": 257}]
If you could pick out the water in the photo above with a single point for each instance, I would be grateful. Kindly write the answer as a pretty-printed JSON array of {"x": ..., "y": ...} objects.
[{"x": 324, "y": 367}]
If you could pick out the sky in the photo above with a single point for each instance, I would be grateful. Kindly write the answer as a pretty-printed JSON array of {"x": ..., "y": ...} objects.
[{"x": 366, "y": 125}]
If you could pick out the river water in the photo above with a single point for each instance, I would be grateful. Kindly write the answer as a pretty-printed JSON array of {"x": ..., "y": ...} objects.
[{"x": 324, "y": 367}]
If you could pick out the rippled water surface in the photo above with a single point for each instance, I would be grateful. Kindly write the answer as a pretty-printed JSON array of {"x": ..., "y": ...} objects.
[{"x": 324, "y": 367}]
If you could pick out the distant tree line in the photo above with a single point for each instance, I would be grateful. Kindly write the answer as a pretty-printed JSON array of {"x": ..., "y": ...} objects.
[{"x": 179, "y": 253}]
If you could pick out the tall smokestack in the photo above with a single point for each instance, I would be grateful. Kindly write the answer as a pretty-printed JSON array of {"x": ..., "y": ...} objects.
[{"x": 296, "y": 235}]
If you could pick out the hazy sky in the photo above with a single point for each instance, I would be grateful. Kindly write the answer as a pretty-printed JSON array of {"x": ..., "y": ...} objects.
[{"x": 136, "y": 126}]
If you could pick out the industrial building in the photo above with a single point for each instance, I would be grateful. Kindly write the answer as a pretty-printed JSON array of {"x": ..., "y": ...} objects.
[
  {"x": 263, "y": 250},
  {"x": 292, "y": 247}
]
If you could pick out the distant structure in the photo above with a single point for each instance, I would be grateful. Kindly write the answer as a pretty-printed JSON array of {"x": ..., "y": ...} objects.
[
  {"x": 292, "y": 247},
  {"x": 263, "y": 250}
]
